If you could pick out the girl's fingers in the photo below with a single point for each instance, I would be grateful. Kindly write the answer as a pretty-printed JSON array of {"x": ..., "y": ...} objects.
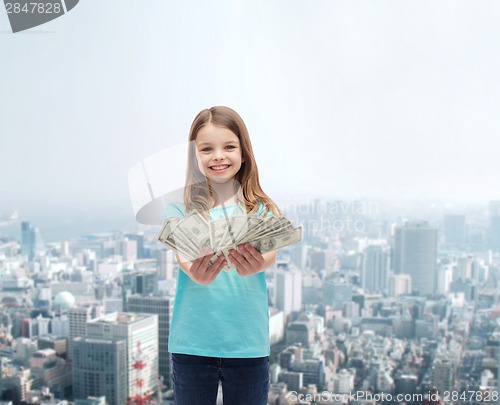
[
  {"x": 201, "y": 263},
  {"x": 218, "y": 265},
  {"x": 214, "y": 270},
  {"x": 240, "y": 261},
  {"x": 249, "y": 256},
  {"x": 252, "y": 252}
]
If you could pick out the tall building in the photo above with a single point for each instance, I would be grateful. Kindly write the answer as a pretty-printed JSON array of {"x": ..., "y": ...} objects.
[
  {"x": 495, "y": 225},
  {"x": 138, "y": 330},
  {"x": 139, "y": 238},
  {"x": 78, "y": 318},
  {"x": 415, "y": 253},
  {"x": 336, "y": 293},
  {"x": 463, "y": 269},
  {"x": 343, "y": 382},
  {"x": 100, "y": 368},
  {"x": 442, "y": 374},
  {"x": 376, "y": 265},
  {"x": 28, "y": 240},
  {"x": 288, "y": 288},
  {"x": 313, "y": 371},
  {"x": 454, "y": 229},
  {"x": 166, "y": 263},
  {"x": 161, "y": 306},
  {"x": 51, "y": 369},
  {"x": 127, "y": 248},
  {"x": 294, "y": 380},
  {"x": 444, "y": 279},
  {"x": 138, "y": 282},
  {"x": 406, "y": 384}
]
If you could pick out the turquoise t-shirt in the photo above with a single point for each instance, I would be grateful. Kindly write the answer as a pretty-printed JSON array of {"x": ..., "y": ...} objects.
[{"x": 226, "y": 318}]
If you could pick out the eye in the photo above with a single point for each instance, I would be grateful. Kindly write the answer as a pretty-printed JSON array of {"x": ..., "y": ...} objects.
[
  {"x": 230, "y": 147},
  {"x": 206, "y": 149}
]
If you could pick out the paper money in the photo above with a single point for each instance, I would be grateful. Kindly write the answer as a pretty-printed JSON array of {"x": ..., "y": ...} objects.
[{"x": 189, "y": 235}]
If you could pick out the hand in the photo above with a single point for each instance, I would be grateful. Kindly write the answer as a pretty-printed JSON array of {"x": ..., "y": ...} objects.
[
  {"x": 202, "y": 271},
  {"x": 247, "y": 260}
]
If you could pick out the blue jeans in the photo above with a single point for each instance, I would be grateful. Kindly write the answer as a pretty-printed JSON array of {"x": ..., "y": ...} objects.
[{"x": 196, "y": 380}]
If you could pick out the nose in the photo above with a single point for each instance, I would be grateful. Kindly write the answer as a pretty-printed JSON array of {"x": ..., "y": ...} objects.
[{"x": 219, "y": 155}]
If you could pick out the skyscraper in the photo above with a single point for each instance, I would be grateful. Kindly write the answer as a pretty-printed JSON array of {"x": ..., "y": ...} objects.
[
  {"x": 78, "y": 318},
  {"x": 442, "y": 374},
  {"x": 495, "y": 225},
  {"x": 138, "y": 282},
  {"x": 376, "y": 265},
  {"x": 166, "y": 263},
  {"x": 30, "y": 240},
  {"x": 288, "y": 288},
  {"x": 139, "y": 238},
  {"x": 134, "y": 329},
  {"x": 100, "y": 368},
  {"x": 415, "y": 253},
  {"x": 161, "y": 306},
  {"x": 454, "y": 229}
]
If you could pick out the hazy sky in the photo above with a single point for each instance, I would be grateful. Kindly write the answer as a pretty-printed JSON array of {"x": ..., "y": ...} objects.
[{"x": 342, "y": 98}]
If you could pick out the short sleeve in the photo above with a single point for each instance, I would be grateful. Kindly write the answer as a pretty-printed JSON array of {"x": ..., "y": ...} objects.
[{"x": 174, "y": 210}]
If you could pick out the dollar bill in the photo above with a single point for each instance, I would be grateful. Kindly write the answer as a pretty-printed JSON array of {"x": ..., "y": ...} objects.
[{"x": 189, "y": 235}]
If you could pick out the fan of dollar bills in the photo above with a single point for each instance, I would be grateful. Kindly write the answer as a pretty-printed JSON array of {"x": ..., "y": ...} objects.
[{"x": 188, "y": 235}]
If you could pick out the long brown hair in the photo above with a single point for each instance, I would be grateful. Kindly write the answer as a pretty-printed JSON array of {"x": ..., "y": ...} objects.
[{"x": 198, "y": 193}]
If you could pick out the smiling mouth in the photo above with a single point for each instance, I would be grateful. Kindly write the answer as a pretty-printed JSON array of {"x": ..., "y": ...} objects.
[{"x": 219, "y": 168}]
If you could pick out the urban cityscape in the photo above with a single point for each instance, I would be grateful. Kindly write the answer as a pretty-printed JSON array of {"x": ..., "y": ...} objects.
[{"x": 376, "y": 305}]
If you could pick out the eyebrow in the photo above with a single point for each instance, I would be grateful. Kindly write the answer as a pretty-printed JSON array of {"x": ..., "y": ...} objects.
[{"x": 209, "y": 144}]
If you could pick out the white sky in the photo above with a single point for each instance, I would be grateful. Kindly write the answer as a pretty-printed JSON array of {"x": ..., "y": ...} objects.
[{"x": 342, "y": 98}]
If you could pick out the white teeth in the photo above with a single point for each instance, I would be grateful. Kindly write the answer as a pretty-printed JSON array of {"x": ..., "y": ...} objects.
[{"x": 219, "y": 167}]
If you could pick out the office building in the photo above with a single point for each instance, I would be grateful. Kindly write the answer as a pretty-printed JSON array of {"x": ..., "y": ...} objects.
[
  {"x": 406, "y": 384},
  {"x": 494, "y": 225},
  {"x": 454, "y": 229},
  {"x": 343, "y": 382},
  {"x": 165, "y": 259},
  {"x": 313, "y": 371},
  {"x": 139, "y": 239},
  {"x": 51, "y": 369},
  {"x": 28, "y": 240},
  {"x": 442, "y": 374},
  {"x": 140, "y": 331},
  {"x": 138, "y": 282},
  {"x": 78, "y": 318},
  {"x": 163, "y": 307},
  {"x": 294, "y": 380},
  {"x": 415, "y": 253},
  {"x": 100, "y": 369},
  {"x": 375, "y": 270},
  {"x": 60, "y": 325},
  {"x": 300, "y": 332},
  {"x": 399, "y": 284},
  {"x": 288, "y": 288},
  {"x": 58, "y": 344}
]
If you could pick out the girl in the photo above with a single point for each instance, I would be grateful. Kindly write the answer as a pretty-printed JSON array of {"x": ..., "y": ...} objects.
[{"x": 220, "y": 325}]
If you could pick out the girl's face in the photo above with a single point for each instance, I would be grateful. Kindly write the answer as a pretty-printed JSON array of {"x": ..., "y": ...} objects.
[{"x": 218, "y": 153}]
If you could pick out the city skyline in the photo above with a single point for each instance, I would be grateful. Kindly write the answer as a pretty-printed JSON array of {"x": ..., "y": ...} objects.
[
  {"x": 377, "y": 100},
  {"x": 344, "y": 316}
]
